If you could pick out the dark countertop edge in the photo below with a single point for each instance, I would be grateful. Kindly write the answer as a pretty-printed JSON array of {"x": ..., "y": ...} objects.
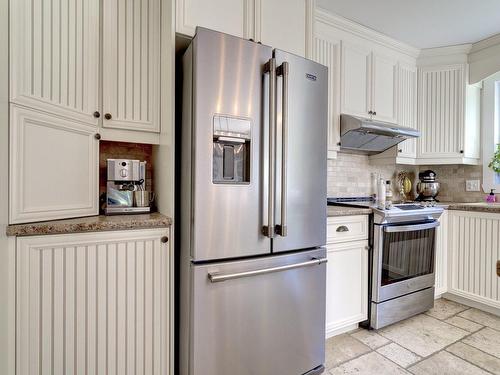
[
  {"x": 100, "y": 223},
  {"x": 473, "y": 208}
]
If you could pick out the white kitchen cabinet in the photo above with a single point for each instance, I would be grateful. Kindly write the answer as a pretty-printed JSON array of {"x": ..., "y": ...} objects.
[
  {"x": 355, "y": 80},
  {"x": 235, "y": 17},
  {"x": 441, "y": 259},
  {"x": 326, "y": 51},
  {"x": 131, "y": 65},
  {"x": 474, "y": 249},
  {"x": 94, "y": 302},
  {"x": 383, "y": 87},
  {"x": 347, "y": 273},
  {"x": 448, "y": 116},
  {"x": 53, "y": 167},
  {"x": 54, "y": 57},
  {"x": 282, "y": 24}
]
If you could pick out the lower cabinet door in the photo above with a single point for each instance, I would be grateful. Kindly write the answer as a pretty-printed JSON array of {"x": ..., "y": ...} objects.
[
  {"x": 93, "y": 303},
  {"x": 53, "y": 167},
  {"x": 346, "y": 285}
]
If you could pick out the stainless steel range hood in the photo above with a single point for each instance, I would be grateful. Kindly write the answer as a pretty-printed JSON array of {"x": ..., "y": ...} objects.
[{"x": 369, "y": 137}]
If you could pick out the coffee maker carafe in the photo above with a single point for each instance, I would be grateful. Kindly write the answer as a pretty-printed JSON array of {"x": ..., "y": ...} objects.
[{"x": 124, "y": 178}]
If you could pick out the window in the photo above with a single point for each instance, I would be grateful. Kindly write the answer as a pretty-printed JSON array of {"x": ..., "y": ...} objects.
[{"x": 490, "y": 129}]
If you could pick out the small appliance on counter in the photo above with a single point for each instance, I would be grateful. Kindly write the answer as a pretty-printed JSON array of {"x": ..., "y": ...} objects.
[
  {"x": 427, "y": 187},
  {"x": 125, "y": 190}
]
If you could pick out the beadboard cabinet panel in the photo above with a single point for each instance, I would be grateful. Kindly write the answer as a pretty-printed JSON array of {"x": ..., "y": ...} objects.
[
  {"x": 131, "y": 64},
  {"x": 441, "y": 260},
  {"x": 406, "y": 103},
  {"x": 356, "y": 80},
  {"x": 383, "y": 94},
  {"x": 53, "y": 167},
  {"x": 441, "y": 103},
  {"x": 474, "y": 250},
  {"x": 93, "y": 303},
  {"x": 54, "y": 56},
  {"x": 235, "y": 17},
  {"x": 326, "y": 51}
]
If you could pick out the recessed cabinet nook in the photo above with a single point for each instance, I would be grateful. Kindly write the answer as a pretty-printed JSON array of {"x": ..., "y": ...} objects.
[{"x": 372, "y": 75}]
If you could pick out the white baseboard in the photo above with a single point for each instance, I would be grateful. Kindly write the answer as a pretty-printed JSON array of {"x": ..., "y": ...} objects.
[
  {"x": 472, "y": 302},
  {"x": 334, "y": 331}
]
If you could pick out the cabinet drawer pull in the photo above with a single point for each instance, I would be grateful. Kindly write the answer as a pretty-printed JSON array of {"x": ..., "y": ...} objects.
[
  {"x": 342, "y": 228},
  {"x": 97, "y": 136},
  {"x": 164, "y": 239},
  {"x": 97, "y": 114},
  {"x": 108, "y": 116}
]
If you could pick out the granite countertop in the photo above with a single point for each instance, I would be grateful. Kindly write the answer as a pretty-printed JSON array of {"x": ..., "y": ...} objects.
[
  {"x": 91, "y": 224},
  {"x": 475, "y": 207},
  {"x": 332, "y": 211}
]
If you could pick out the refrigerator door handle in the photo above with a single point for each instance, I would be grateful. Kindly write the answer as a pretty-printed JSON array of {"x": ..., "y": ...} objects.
[
  {"x": 283, "y": 70},
  {"x": 270, "y": 67},
  {"x": 215, "y": 277}
]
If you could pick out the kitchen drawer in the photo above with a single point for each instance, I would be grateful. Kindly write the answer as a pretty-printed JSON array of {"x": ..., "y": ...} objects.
[{"x": 347, "y": 228}]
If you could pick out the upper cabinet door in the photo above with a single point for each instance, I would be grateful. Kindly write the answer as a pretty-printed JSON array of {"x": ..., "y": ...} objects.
[
  {"x": 326, "y": 51},
  {"x": 282, "y": 24},
  {"x": 235, "y": 17},
  {"x": 406, "y": 100},
  {"x": 131, "y": 64},
  {"x": 384, "y": 72},
  {"x": 441, "y": 103},
  {"x": 53, "y": 167},
  {"x": 55, "y": 56},
  {"x": 355, "y": 76}
]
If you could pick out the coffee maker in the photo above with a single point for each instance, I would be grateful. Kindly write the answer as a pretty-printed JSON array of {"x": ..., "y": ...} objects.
[{"x": 124, "y": 178}]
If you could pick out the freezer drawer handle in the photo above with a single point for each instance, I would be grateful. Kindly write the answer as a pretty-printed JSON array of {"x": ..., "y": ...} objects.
[
  {"x": 270, "y": 67},
  {"x": 215, "y": 277},
  {"x": 282, "y": 70}
]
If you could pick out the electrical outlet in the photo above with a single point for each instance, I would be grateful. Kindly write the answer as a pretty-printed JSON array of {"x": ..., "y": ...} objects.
[{"x": 472, "y": 185}]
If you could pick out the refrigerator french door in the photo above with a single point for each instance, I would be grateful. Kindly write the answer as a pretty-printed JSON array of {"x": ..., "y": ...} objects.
[{"x": 253, "y": 213}]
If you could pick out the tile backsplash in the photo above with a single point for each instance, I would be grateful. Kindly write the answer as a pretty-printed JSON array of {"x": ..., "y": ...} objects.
[{"x": 350, "y": 176}]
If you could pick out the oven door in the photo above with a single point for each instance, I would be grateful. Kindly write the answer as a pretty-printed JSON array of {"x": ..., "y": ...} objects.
[{"x": 403, "y": 259}]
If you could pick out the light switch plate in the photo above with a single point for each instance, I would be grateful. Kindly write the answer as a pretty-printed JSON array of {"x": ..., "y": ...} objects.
[{"x": 472, "y": 185}]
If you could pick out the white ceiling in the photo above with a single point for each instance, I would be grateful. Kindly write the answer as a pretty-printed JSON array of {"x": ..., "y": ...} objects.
[{"x": 423, "y": 23}]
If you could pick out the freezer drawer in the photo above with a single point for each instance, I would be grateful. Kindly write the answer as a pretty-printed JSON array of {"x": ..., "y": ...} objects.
[{"x": 263, "y": 316}]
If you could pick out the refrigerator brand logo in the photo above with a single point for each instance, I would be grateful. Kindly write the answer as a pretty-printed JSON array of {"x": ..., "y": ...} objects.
[{"x": 311, "y": 77}]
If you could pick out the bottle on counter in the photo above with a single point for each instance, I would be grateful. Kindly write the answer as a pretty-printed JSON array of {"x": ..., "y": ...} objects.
[
  {"x": 381, "y": 194},
  {"x": 388, "y": 195},
  {"x": 374, "y": 186},
  {"x": 491, "y": 198}
]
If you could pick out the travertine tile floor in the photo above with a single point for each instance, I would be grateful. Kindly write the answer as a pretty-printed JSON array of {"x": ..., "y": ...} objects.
[{"x": 450, "y": 339}]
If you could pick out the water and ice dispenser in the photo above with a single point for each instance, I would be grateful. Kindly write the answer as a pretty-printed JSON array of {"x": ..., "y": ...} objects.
[{"x": 231, "y": 150}]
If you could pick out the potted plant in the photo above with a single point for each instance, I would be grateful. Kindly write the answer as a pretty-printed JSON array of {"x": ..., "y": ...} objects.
[{"x": 495, "y": 161}]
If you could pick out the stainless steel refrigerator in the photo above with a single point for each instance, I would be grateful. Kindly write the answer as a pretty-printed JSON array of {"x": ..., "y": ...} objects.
[{"x": 253, "y": 209}]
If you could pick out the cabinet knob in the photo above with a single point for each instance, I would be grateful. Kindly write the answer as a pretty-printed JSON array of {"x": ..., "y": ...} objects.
[
  {"x": 164, "y": 239},
  {"x": 374, "y": 113},
  {"x": 108, "y": 116},
  {"x": 97, "y": 136},
  {"x": 370, "y": 112},
  {"x": 342, "y": 228},
  {"x": 400, "y": 150},
  {"x": 461, "y": 151},
  {"x": 97, "y": 114}
]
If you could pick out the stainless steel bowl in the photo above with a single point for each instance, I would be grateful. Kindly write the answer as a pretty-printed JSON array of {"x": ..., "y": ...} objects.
[{"x": 428, "y": 190}]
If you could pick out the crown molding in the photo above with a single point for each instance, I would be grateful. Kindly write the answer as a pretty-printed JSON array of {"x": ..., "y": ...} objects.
[
  {"x": 485, "y": 43},
  {"x": 446, "y": 51},
  {"x": 365, "y": 32}
]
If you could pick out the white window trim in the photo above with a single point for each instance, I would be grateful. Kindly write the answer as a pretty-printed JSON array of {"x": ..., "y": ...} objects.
[{"x": 490, "y": 128}]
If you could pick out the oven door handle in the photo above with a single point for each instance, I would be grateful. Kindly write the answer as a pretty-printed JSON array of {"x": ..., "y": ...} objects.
[{"x": 411, "y": 228}]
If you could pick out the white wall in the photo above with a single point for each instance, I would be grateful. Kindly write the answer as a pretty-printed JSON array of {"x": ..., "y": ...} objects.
[{"x": 6, "y": 258}]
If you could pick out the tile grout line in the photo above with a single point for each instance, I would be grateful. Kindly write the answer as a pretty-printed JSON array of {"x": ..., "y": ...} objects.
[{"x": 350, "y": 334}]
